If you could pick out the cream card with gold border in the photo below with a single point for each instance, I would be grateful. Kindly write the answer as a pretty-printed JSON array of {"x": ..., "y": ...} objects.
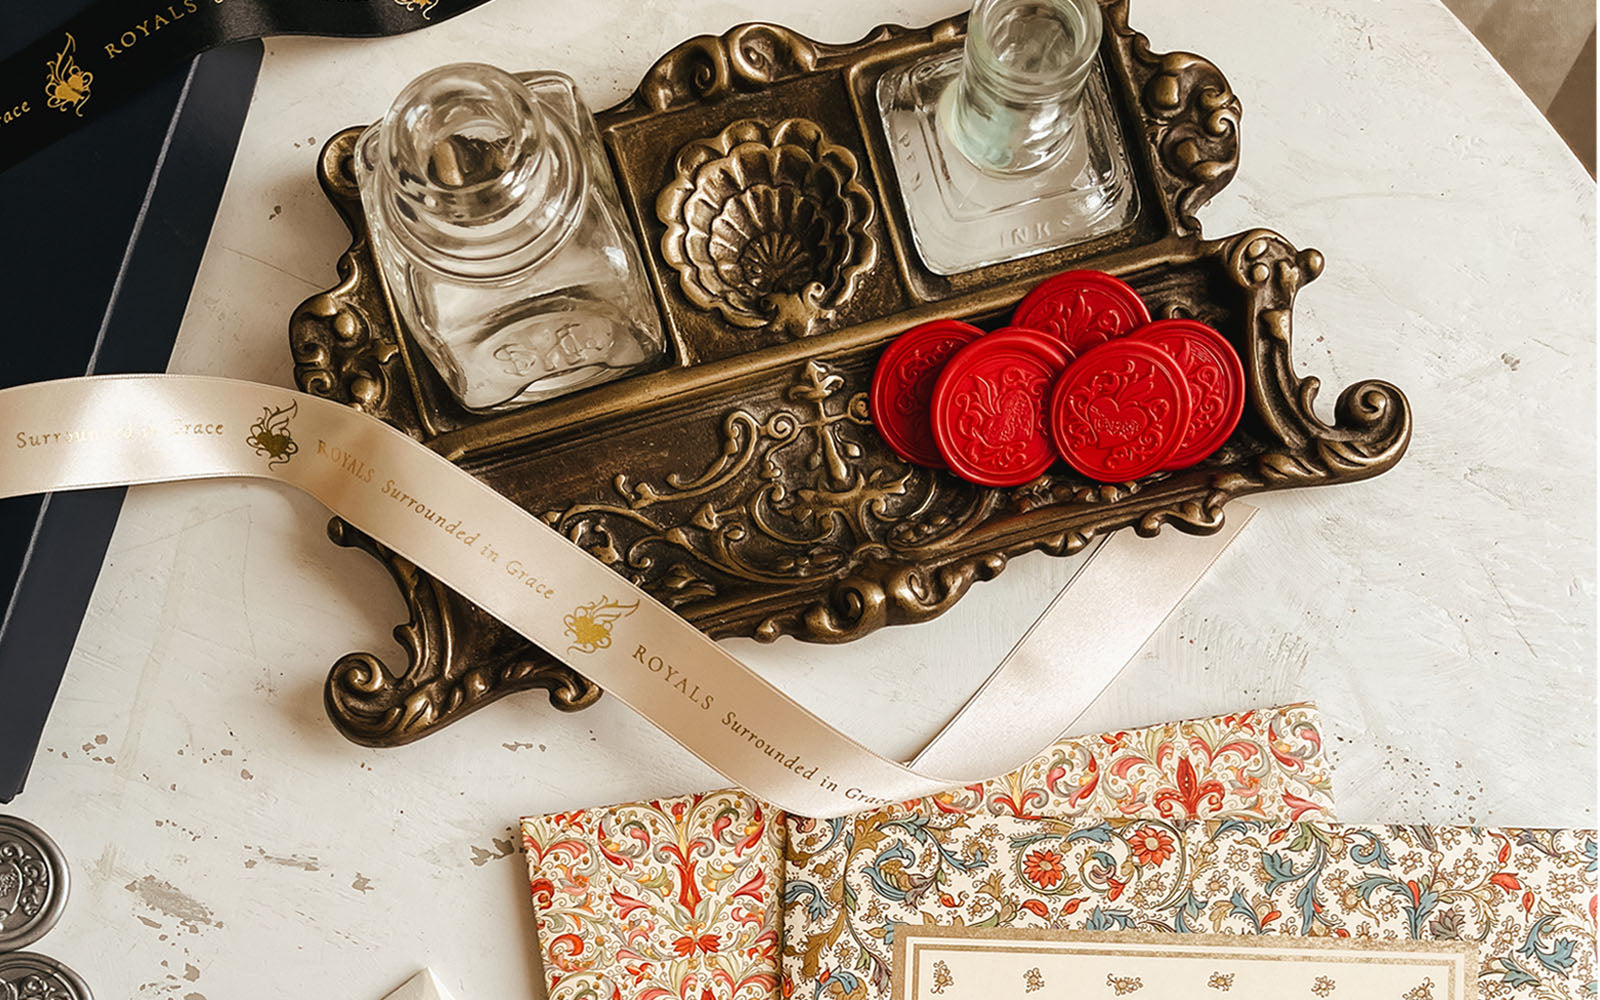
[{"x": 997, "y": 963}]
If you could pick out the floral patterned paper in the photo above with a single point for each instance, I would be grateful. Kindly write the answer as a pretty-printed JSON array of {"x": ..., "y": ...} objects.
[
  {"x": 679, "y": 897},
  {"x": 1526, "y": 896},
  {"x": 1251, "y": 765},
  {"x": 671, "y": 898}
]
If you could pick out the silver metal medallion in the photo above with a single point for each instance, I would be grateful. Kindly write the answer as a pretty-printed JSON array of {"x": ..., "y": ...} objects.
[
  {"x": 25, "y": 975},
  {"x": 33, "y": 886}
]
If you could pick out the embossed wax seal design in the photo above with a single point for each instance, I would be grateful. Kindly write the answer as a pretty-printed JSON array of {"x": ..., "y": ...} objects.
[
  {"x": 1216, "y": 384},
  {"x": 1120, "y": 412},
  {"x": 26, "y": 975},
  {"x": 902, "y": 386},
  {"x": 989, "y": 407},
  {"x": 1082, "y": 309},
  {"x": 33, "y": 884}
]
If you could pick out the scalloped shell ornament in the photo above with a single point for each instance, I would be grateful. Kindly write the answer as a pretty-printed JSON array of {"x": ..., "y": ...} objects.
[{"x": 767, "y": 226}]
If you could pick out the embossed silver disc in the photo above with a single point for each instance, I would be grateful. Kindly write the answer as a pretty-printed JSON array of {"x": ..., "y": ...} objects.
[
  {"x": 33, "y": 884},
  {"x": 26, "y": 975}
]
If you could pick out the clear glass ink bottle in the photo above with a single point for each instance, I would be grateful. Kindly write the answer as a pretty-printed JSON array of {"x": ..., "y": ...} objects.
[
  {"x": 1008, "y": 147},
  {"x": 502, "y": 238}
]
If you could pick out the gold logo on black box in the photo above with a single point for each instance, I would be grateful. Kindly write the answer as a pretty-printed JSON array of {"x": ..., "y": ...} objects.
[{"x": 66, "y": 84}]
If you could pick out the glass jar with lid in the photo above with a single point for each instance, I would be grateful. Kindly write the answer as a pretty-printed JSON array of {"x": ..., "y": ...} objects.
[
  {"x": 1009, "y": 146},
  {"x": 502, "y": 238}
]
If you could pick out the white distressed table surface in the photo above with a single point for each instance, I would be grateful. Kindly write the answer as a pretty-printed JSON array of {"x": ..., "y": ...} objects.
[{"x": 228, "y": 843}]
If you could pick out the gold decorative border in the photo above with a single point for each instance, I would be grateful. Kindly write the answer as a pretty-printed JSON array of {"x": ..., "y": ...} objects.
[{"x": 1160, "y": 945}]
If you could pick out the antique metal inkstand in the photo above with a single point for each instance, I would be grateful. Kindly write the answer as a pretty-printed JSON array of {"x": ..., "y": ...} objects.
[{"x": 742, "y": 482}]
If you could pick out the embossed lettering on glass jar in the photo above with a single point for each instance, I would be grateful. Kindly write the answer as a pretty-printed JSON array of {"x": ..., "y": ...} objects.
[
  {"x": 1008, "y": 147},
  {"x": 502, "y": 238}
]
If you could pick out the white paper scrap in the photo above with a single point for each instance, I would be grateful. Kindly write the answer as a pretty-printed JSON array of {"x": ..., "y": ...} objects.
[{"x": 422, "y": 986}]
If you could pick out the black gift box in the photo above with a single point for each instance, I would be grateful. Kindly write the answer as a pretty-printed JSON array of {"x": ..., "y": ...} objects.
[{"x": 103, "y": 234}]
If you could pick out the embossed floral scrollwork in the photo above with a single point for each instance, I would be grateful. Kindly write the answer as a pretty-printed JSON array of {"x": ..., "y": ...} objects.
[
  {"x": 458, "y": 660},
  {"x": 341, "y": 352},
  {"x": 745, "y": 57},
  {"x": 888, "y": 595},
  {"x": 1372, "y": 419},
  {"x": 25, "y": 883},
  {"x": 39, "y": 986},
  {"x": 1192, "y": 118},
  {"x": 789, "y": 497}
]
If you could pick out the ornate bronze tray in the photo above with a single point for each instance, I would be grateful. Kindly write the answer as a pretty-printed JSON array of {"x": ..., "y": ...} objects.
[{"x": 744, "y": 485}]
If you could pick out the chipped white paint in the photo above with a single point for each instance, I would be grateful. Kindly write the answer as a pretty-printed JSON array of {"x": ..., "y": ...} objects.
[{"x": 228, "y": 843}]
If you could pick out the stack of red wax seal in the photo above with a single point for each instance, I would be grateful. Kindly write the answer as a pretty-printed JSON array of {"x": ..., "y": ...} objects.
[{"x": 1081, "y": 374}]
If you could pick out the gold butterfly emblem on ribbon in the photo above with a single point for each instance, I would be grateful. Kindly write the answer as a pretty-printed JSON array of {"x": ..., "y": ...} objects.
[
  {"x": 270, "y": 436},
  {"x": 589, "y": 625},
  {"x": 66, "y": 84}
]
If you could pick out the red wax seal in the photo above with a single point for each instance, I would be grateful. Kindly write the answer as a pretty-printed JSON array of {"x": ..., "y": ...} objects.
[
  {"x": 1216, "y": 384},
  {"x": 1082, "y": 309},
  {"x": 989, "y": 407},
  {"x": 1121, "y": 411},
  {"x": 902, "y": 386}
]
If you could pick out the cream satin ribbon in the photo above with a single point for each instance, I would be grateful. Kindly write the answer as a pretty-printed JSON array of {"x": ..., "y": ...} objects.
[{"x": 126, "y": 430}]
